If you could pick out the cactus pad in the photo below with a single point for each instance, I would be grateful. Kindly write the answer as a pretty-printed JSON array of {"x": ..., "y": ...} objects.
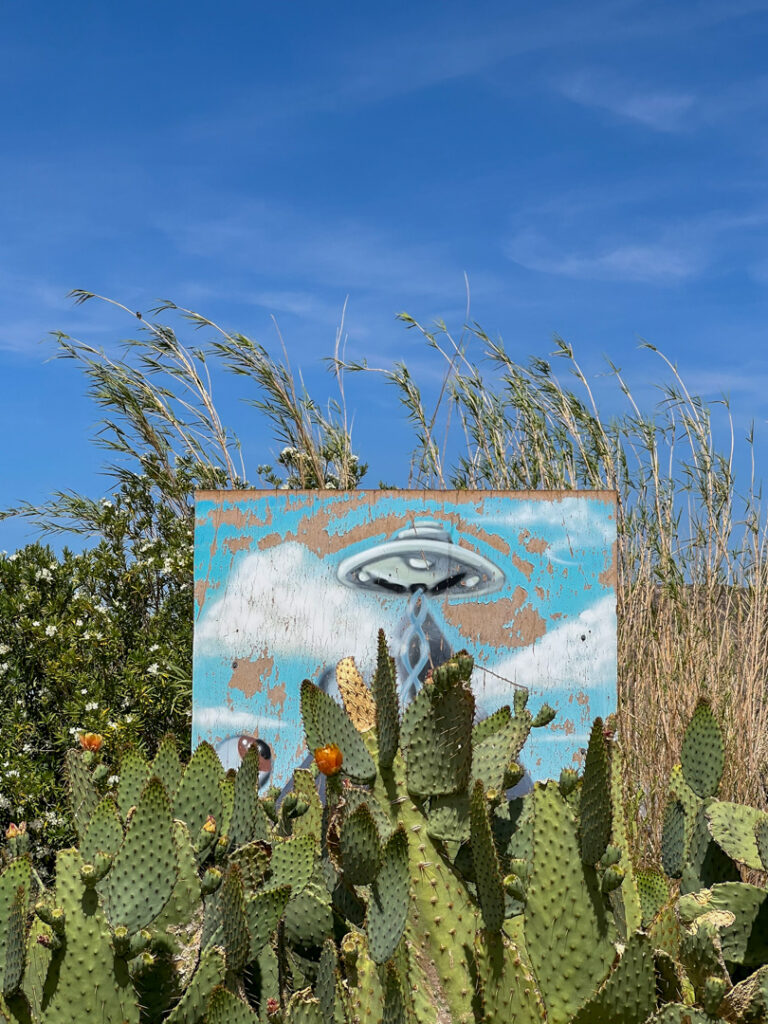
[
  {"x": 85, "y": 964},
  {"x": 326, "y": 723},
  {"x": 740, "y": 913},
  {"x": 507, "y": 989},
  {"x": 104, "y": 831},
  {"x": 654, "y": 894},
  {"x": 360, "y": 847},
  {"x": 262, "y": 913},
  {"x": 436, "y": 737},
  {"x": 83, "y": 797},
  {"x": 167, "y": 765},
  {"x": 492, "y": 724},
  {"x": 185, "y": 897},
  {"x": 134, "y": 775},
  {"x": 246, "y": 799},
  {"x": 448, "y": 817},
  {"x": 702, "y": 752},
  {"x": 490, "y": 890},
  {"x": 596, "y": 808},
  {"x": 387, "y": 705},
  {"x": 673, "y": 839},
  {"x": 253, "y": 861},
  {"x": 305, "y": 789},
  {"x": 563, "y": 911},
  {"x": 388, "y": 906},
  {"x": 628, "y": 995},
  {"x": 355, "y": 695},
  {"x": 292, "y": 861},
  {"x": 733, "y": 828},
  {"x": 199, "y": 795},
  {"x": 145, "y": 871},
  {"x": 224, "y": 1008},
  {"x": 308, "y": 918},
  {"x": 237, "y": 940}
]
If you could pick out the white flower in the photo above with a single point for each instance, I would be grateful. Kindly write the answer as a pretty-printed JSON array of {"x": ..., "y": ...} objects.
[
  {"x": 12, "y": 558},
  {"x": 54, "y": 565},
  {"x": 5, "y": 803},
  {"x": 4, "y": 648},
  {"x": 3, "y": 667},
  {"x": 128, "y": 719},
  {"x": 78, "y": 622},
  {"x": 113, "y": 779},
  {"x": 111, "y": 725},
  {"x": 106, "y": 503},
  {"x": 91, "y": 705},
  {"x": 50, "y": 631},
  {"x": 167, "y": 565},
  {"x": 153, "y": 669},
  {"x": 84, "y": 690},
  {"x": 43, "y": 574},
  {"x": 27, "y": 748},
  {"x": 12, "y": 773},
  {"x": 154, "y": 647},
  {"x": 35, "y": 622}
]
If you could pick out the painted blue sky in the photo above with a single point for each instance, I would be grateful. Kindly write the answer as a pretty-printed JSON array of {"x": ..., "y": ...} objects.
[{"x": 597, "y": 170}]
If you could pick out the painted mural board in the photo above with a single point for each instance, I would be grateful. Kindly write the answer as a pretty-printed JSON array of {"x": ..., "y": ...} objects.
[{"x": 287, "y": 583}]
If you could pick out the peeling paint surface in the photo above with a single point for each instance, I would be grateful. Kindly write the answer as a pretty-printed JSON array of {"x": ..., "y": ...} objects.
[{"x": 289, "y": 582}]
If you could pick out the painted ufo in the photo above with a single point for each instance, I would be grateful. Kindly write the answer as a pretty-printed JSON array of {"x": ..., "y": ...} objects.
[{"x": 421, "y": 558}]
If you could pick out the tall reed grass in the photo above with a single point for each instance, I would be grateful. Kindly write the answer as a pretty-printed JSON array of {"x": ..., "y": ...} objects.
[{"x": 693, "y": 571}]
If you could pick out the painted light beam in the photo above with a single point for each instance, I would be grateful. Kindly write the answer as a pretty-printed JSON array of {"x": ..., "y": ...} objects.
[
  {"x": 419, "y": 561},
  {"x": 289, "y": 583}
]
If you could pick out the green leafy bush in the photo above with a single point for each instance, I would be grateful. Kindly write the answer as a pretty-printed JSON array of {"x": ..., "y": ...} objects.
[{"x": 93, "y": 642}]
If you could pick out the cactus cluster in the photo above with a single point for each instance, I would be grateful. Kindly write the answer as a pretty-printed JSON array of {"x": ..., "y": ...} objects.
[{"x": 418, "y": 889}]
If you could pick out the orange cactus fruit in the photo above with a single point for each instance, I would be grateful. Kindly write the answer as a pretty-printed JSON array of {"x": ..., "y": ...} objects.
[
  {"x": 328, "y": 759},
  {"x": 210, "y": 824},
  {"x": 91, "y": 741}
]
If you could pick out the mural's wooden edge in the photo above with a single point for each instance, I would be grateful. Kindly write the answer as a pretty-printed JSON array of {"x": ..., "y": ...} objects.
[{"x": 456, "y": 495}]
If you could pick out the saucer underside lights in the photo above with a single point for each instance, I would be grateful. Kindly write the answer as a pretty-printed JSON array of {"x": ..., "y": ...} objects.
[{"x": 421, "y": 558}]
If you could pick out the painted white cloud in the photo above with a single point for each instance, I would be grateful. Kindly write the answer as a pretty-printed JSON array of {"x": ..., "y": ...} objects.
[
  {"x": 286, "y": 601},
  {"x": 561, "y": 658},
  {"x": 211, "y": 719},
  {"x": 567, "y": 523}
]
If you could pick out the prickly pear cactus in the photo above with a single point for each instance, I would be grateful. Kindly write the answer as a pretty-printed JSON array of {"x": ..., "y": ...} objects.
[{"x": 418, "y": 890}]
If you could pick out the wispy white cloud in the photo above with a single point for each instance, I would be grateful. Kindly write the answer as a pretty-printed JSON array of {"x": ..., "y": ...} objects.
[
  {"x": 280, "y": 243},
  {"x": 662, "y": 262},
  {"x": 665, "y": 111}
]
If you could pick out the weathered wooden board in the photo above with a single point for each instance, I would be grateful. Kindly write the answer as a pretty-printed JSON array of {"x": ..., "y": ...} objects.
[{"x": 289, "y": 582}]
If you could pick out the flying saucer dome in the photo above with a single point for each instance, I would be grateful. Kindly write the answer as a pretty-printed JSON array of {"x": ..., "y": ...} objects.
[{"x": 421, "y": 557}]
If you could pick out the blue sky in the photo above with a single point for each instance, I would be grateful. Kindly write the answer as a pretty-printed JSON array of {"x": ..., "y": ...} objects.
[{"x": 598, "y": 170}]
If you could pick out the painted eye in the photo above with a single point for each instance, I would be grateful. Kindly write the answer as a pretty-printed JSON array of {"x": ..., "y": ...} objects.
[
  {"x": 328, "y": 759},
  {"x": 233, "y": 749},
  {"x": 246, "y": 743}
]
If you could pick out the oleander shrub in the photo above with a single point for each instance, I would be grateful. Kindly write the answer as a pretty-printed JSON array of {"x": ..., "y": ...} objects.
[{"x": 97, "y": 641}]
